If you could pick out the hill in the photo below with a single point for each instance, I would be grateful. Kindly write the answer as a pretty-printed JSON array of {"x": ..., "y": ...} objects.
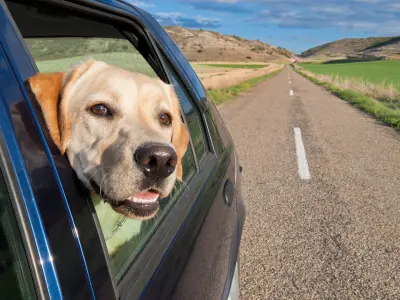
[
  {"x": 197, "y": 45},
  {"x": 203, "y": 45},
  {"x": 382, "y": 47}
]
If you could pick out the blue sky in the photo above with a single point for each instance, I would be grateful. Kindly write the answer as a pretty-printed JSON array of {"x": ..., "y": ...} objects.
[{"x": 293, "y": 24}]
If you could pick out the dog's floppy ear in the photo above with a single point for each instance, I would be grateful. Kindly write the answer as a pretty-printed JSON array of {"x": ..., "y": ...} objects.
[
  {"x": 51, "y": 92},
  {"x": 180, "y": 135},
  {"x": 47, "y": 88}
]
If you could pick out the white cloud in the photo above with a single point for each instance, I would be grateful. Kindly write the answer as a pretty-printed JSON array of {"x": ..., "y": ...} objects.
[
  {"x": 395, "y": 6},
  {"x": 142, "y": 4},
  {"x": 369, "y": 1},
  {"x": 180, "y": 19},
  {"x": 202, "y": 19},
  {"x": 169, "y": 14},
  {"x": 332, "y": 9},
  {"x": 173, "y": 17},
  {"x": 386, "y": 28}
]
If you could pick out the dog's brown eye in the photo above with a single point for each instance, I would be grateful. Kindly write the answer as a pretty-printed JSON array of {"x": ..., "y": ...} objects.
[
  {"x": 165, "y": 119},
  {"x": 100, "y": 110}
]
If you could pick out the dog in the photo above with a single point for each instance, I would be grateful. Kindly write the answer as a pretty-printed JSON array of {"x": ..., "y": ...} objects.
[{"x": 123, "y": 135}]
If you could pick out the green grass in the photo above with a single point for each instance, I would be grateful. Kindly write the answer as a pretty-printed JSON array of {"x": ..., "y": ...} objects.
[
  {"x": 386, "y": 71},
  {"x": 237, "y": 66},
  {"x": 57, "y": 48},
  {"x": 219, "y": 96},
  {"x": 60, "y": 54},
  {"x": 385, "y": 114},
  {"x": 128, "y": 61}
]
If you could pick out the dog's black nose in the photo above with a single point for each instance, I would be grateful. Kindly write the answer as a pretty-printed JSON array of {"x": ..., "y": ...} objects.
[{"x": 157, "y": 161}]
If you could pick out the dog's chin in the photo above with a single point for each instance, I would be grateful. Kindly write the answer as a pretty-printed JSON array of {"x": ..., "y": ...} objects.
[{"x": 140, "y": 206}]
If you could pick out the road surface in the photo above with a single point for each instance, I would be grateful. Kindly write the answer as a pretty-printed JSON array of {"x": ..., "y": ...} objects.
[{"x": 323, "y": 200}]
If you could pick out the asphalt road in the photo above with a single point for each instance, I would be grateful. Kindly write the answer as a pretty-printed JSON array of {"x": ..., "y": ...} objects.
[{"x": 335, "y": 235}]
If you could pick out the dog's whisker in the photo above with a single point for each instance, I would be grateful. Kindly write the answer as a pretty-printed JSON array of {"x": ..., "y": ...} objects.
[
  {"x": 101, "y": 184},
  {"x": 185, "y": 186},
  {"x": 99, "y": 169},
  {"x": 155, "y": 218}
]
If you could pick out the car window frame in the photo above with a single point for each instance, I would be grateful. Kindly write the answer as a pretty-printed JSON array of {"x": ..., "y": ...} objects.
[
  {"x": 167, "y": 62},
  {"x": 208, "y": 161},
  {"x": 20, "y": 215},
  {"x": 10, "y": 162}
]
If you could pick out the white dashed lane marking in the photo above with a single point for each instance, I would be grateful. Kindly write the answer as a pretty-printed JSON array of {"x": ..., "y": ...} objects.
[{"x": 302, "y": 163}]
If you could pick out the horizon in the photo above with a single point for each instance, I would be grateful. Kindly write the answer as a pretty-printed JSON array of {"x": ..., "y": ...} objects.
[{"x": 282, "y": 23}]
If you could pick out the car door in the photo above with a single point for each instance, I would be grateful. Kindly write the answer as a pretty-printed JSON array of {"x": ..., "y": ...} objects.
[
  {"x": 153, "y": 263},
  {"x": 211, "y": 267},
  {"x": 55, "y": 262}
]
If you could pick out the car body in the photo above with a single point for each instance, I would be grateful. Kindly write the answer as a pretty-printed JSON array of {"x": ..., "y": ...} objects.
[{"x": 51, "y": 243}]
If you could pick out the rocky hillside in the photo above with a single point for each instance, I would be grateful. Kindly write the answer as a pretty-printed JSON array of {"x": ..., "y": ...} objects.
[
  {"x": 357, "y": 47},
  {"x": 204, "y": 45}
]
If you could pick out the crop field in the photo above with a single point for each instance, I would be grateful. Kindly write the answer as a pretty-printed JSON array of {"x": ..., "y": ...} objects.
[{"x": 381, "y": 72}]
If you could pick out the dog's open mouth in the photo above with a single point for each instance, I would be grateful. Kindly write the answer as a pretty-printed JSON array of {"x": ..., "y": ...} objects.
[
  {"x": 146, "y": 201},
  {"x": 143, "y": 205}
]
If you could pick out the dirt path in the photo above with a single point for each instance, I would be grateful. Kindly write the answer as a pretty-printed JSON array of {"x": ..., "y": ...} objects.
[{"x": 214, "y": 77}]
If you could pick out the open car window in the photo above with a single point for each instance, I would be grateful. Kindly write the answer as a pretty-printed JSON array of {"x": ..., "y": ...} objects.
[
  {"x": 58, "y": 40},
  {"x": 60, "y": 54}
]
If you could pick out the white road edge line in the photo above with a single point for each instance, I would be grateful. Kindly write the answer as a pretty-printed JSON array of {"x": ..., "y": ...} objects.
[
  {"x": 302, "y": 164},
  {"x": 291, "y": 93}
]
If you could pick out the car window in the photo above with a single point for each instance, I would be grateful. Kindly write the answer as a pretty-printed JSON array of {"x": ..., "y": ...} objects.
[
  {"x": 125, "y": 238},
  {"x": 15, "y": 278},
  {"x": 60, "y": 54},
  {"x": 192, "y": 115}
]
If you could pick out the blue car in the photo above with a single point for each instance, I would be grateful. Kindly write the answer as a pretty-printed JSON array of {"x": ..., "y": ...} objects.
[{"x": 52, "y": 245}]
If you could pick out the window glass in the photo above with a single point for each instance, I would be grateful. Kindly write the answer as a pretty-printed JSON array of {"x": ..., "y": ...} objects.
[
  {"x": 125, "y": 237},
  {"x": 193, "y": 118},
  {"x": 60, "y": 54},
  {"x": 15, "y": 278}
]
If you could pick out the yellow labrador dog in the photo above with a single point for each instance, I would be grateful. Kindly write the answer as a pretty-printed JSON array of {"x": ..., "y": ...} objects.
[{"x": 123, "y": 135}]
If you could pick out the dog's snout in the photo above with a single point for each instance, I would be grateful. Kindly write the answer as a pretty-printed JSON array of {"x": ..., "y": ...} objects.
[{"x": 157, "y": 161}]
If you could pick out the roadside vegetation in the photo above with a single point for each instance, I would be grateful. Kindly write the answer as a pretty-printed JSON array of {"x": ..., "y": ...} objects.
[
  {"x": 381, "y": 100},
  {"x": 219, "y": 96}
]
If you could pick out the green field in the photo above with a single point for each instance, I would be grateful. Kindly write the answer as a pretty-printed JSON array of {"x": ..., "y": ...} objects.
[
  {"x": 60, "y": 54},
  {"x": 128, "y": 61},
  {"x": 387, "y": 71},
  {"x": 237, "y": 66}
]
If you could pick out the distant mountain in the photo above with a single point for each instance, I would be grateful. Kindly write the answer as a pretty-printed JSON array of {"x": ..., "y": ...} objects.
[
  {"x": 204, "y": 45},
  {"x": 385, "y": 47}
]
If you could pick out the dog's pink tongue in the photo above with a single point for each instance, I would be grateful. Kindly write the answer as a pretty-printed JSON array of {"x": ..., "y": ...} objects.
[{"x": 150, "y": 196}]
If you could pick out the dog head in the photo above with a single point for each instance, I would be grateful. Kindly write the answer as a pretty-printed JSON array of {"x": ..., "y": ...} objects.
[{"x": 121, "y": 131}]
